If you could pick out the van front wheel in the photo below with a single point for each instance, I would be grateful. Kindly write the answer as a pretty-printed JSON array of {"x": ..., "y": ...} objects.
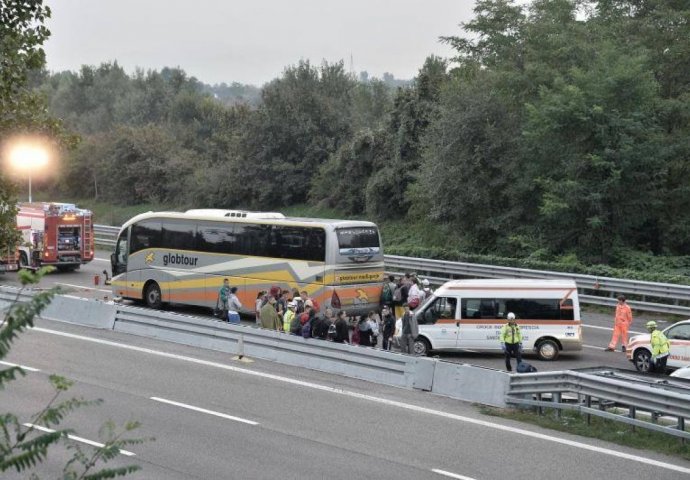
[
  {"x": 547, "y": 350},
  {"x": 421, "y": 347}
]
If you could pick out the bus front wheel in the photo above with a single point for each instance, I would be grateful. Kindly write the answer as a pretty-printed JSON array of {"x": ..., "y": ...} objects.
[{"x": 152, "y": 295}]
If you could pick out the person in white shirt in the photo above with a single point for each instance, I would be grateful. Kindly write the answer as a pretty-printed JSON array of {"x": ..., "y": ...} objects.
[
  {"x": 426, "y": 291},
  {"x": 234, "y": 302},
  {"x": 413, "y": 296}
]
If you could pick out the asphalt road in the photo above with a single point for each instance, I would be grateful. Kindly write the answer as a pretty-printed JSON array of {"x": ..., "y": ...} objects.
[
  {"x": 597, "y": 326},
  {"x": 596, "y": 333},
  {"x": 215, "y": 418}
]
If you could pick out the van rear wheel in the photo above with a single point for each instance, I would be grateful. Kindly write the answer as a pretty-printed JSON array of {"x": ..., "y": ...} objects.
[{"x": 547, "y": 350}]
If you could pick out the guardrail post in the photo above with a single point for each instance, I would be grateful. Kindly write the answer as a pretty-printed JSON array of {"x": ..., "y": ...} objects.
[
  {"x": 588, "y": 404},
  {"x": 681, "y": 427},
  {"x": 557, "y": 399},
  {"x": 540, "y": 409},
  {"x": 240, "y": 351},
  {"x": 631, "y": 414}
]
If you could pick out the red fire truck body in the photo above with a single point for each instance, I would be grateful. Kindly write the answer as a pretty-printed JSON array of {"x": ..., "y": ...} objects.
[
  {"x": 9, "y": 260},
  {"x": 58, "y": 234}
]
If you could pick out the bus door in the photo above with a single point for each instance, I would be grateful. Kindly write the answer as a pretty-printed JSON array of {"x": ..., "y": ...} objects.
[{"x": 118, "y": 263}]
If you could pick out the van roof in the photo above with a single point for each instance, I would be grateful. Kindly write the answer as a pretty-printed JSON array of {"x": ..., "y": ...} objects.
[{"x": 507, "y": 283}]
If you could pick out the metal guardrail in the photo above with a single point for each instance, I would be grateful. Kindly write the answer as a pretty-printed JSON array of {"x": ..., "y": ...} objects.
[
  {"x": 609, "y": 390},
  {"x": 105, "y": 235},
  {"x": 605, "y": 387},
  {"x": 677, "y": 297}
]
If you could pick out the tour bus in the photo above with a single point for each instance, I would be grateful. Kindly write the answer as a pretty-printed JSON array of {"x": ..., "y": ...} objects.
[
  {"x": 182, "y": 258},
  {"x": 468, "y": 315}
]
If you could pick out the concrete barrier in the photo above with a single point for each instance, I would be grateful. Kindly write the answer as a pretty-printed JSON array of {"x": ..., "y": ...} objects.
[
  {"x": 65, "y": 308},
  {"x": 464, "y": 382},
  {"x": 471, "y": 383},
  {"x": 349, "y": 360},
  {"x": 82, "y": 311}
]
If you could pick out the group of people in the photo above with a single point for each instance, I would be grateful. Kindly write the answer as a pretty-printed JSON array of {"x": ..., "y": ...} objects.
[
  {"x": 659, "y": 343},
  {"x": 296, "y": 313},
  {"x": 511, "y": 338},
  {"x": 407, "y": 289}
]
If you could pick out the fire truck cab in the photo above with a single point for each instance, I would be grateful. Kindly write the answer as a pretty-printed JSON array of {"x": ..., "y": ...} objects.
[{"x": 58, "y": 234}]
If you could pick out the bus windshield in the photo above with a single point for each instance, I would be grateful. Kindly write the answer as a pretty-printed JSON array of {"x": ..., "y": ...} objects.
[{"x": 358, "y": 240}]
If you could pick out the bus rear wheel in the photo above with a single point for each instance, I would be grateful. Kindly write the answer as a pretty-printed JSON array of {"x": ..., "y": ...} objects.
[{"x": 152, "y": 295}]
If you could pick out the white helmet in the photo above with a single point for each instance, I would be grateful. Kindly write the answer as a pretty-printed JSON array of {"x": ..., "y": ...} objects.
[
  {"x": 425, "y": 282},
  {"x": 511, "y": 316}
]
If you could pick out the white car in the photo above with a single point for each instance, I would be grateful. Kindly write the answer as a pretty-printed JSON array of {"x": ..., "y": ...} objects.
[
  {"x": 639, "y": 350},
  {"x": 682, "y": 373}
]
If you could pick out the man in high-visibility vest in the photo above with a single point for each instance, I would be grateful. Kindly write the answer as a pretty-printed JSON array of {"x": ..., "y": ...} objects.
[
  {"x": 511, "y": 340},
  {"x": 660, "y": 348},
  {"x": 621, "y": 323}
]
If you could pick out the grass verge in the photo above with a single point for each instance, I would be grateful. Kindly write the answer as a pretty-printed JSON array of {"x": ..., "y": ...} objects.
[{"x": 599, "y": 428}]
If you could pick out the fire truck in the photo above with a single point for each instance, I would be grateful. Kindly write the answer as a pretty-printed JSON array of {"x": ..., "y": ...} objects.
[
  {"x": 58, "y": 234},
  {"x": 9, "y": 260}
]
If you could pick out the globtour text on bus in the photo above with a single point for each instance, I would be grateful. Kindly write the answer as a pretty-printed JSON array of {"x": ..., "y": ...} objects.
[{"x": 179, "y": 259}]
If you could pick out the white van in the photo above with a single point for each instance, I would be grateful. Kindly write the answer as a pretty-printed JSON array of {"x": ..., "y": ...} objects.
[{"x": 468, "y": 315}]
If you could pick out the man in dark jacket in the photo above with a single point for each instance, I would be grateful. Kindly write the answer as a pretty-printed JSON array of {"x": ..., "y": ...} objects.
[
  {"x": 388, "y": 327},
  {"x": 319, "y": 327},
  {"x": 342, "y": 329}
]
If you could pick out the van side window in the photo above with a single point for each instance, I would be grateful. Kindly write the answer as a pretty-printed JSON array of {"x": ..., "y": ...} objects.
[
  {"x": 442, "y": 308},
  {"x": 483, "y": 308}
]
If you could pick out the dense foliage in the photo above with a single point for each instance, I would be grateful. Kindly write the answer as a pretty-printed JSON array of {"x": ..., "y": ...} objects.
[{"x": 560, "y": 128}]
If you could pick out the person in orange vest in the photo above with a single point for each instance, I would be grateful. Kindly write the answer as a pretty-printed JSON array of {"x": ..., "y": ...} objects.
[{"x": 621, "y": 323}]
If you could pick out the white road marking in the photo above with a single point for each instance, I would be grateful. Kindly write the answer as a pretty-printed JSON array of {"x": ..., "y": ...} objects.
[
  {"x": 383, "y": 401},
  {"x": 611, "y": 329},
  {"x": 23, "y": 367},
  {"x": 451, "y": 474},
  {"x": 203, "y": 410},
  {"x": 83, "y": 287},
  {"x": 78, "y": 439},
  {"x": 96, "y": 259}
]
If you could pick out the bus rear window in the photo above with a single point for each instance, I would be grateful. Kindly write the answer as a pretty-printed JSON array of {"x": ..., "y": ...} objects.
[{"x": 358, "y": 237}]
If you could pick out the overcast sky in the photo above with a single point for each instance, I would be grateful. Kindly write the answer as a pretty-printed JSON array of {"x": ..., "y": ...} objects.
[{"x": 251, "y": 41}]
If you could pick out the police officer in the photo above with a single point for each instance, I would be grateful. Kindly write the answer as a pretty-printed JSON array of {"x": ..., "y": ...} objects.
[
  {"x": 511, "y": 340},
  {"x": 660, "y": 348}
]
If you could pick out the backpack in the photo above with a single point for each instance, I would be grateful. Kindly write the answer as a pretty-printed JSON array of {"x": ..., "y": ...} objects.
[
  {"x": 296, "y": 326},
  {"x": 303, "y": 318},
  {"x": 306, "y": 330},
  {"x": 386, "y": 295},
  {"x": 331, "y": 331},
  {"x": 397, "y": 295},
  {"x": 524, "y": 367}
]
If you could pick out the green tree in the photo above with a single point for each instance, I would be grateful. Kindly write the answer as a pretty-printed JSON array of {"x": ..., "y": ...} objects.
[
  {"x": 395, "y": 172},
  {"x": 304, "y": 117}
]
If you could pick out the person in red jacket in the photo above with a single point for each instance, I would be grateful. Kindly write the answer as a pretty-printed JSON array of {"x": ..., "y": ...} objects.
[{"x": 621, "y": 323}]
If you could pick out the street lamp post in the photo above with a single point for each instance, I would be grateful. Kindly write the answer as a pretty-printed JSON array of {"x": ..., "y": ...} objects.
[{"x": 29, "y": 158}]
